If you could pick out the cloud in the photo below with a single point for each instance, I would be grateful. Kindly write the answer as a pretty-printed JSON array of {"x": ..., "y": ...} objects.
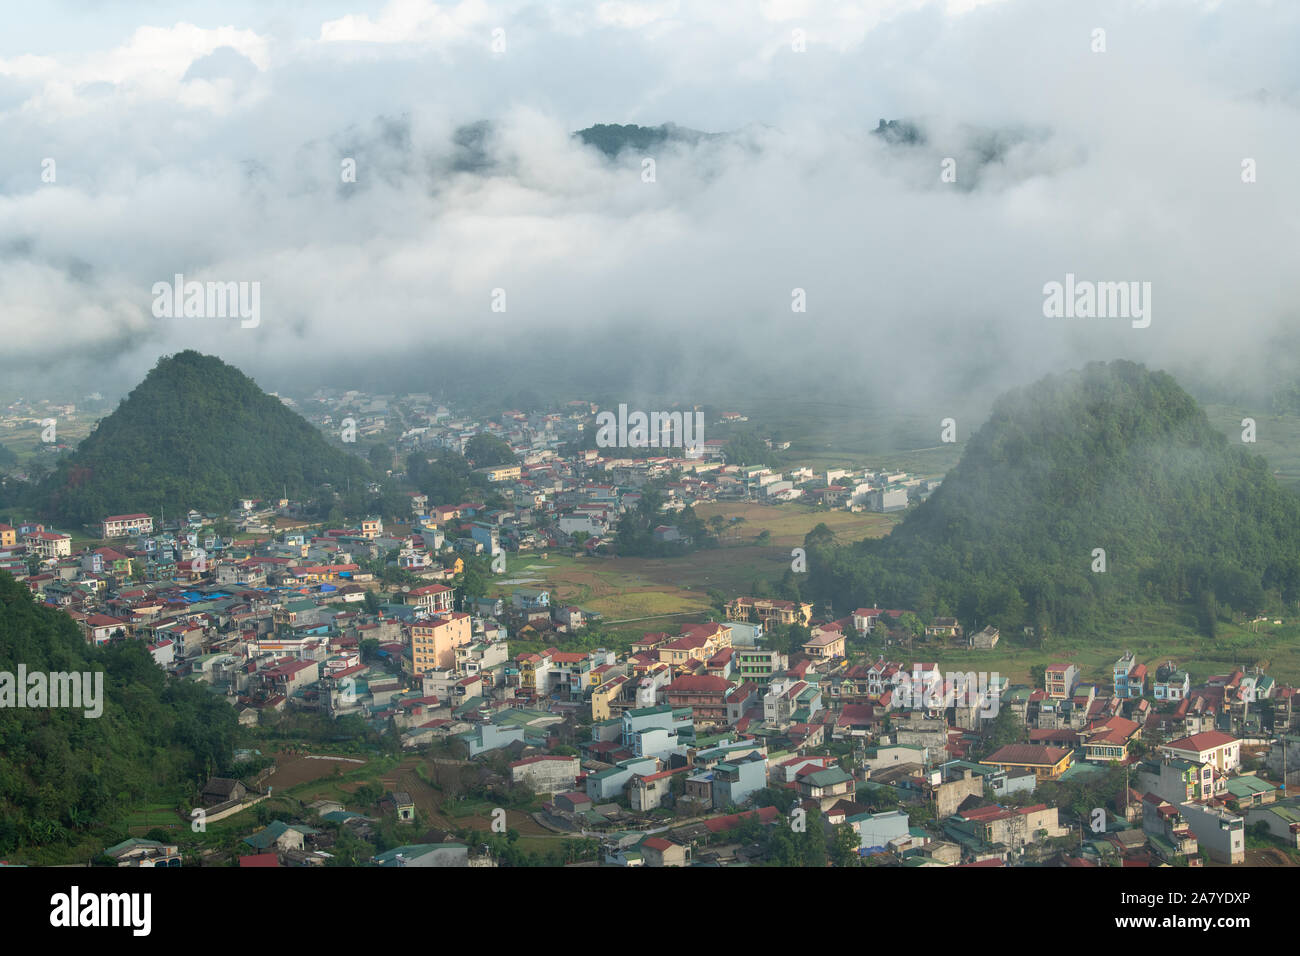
[{"x": 217, "y": 153}]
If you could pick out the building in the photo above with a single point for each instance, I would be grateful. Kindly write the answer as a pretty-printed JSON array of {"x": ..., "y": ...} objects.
[
  {"x": 1220, "y": 750},
  {"x": 826, "y": 642},
  {"x": 144, "y": 853},
  {"x": 48, "y": 544},
  {"x": 769, "y": 612},
  {"x": 1061, "y": 677},
  {"x": 704, "y": 694},
  {"x": 432, "y": 598},
  {"x": 1170, "y": 683},
  {"x": 546, "y": 773},
  {"x": 736, "y": 779},
  {"x": 1129, "y": 677},
  {"x": 656, "y": 851},
  {"x": 1047, "y": 763},
  {"x": 878, "y": 831},
  {"x": 424, "y": 855},
  {"x": 434, "y": 642},
  {"x": 1220, "y": 833},
  {"x": 759, "y": 666},
  {"x": 118, "y": 526},
  {"x": 827, "y": 787}
]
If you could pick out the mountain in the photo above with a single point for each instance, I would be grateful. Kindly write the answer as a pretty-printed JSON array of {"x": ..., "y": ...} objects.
[
  {"x": 136, "y": 737},
  {"x": 611, "y": 139},
  {"x": 1112, "y": 457},
  {"x": 196, "y": 433}
]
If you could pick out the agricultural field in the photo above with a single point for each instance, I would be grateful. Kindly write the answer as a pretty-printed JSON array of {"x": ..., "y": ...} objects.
[{"x": 654, "y": 591}]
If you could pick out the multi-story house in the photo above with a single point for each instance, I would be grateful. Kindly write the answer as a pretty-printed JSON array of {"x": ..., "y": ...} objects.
[
  {"x": 117, "y": 526},
  {"x": 1220, "y": 750},
  {"x": 827, "y": 787},
  {"x": 1129, "y": 677},
  {"x": 48, "y": 544},
  {"x": 1171, "y": 683},
  {"x": 769, "y": 612},
  {"x": 759, "y": 666},
  {"x": 431, "y": 598},
  {"x": 1061, "y": 678},
  {"x": 705, "y": 695},
  {"x": 434, "y": 642}
]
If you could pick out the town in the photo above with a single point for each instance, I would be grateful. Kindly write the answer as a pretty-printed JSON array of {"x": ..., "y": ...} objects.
[{"x": 511, "y": 728}]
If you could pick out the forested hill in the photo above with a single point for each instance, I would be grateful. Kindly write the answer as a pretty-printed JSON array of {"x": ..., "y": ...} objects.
[
  {"x": 1112, "y": 457},
  {"x": 196, "y": 433},
  {"x": 63, "y": 773}
]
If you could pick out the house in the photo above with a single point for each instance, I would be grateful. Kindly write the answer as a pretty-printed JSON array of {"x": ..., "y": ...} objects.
[
  {"x": 530, "y": 599},
  {"x": 118, "y": 526},
  {"x": 704, "y": 694},
  {"x": 1047, "y": 763},
  {"x": 758, "y": 666},
  {"x": 434, "y": 642},
  {"x": 1170, "y": 836},
  {"x": 985, "y": 640},
  {"x": 827, "y": 641},
  {"x": 827, "y": 787},
  {"x": 656, "y": 851},
  {"x": 944, "y": 628},
  {"x": 48, "y": 544},
  {"x": 431, "y": 598},
  {"x": 1129, "y": 677},
  {"x": 424, "y": 855},
  {"x": 1171, "y": 684},
  {"x": 1220, "y": 833},
  {"x": 1061, "y": 678},
  {"x": 223, "y": 790},
  {"x": 1213, "y": 747},
  {"x": 574, "y": 801},
  {"x": 737, "y": 779},
  {"x": 400, "y": 803},
  {"x": 769, "y": 612},
  {"x": 1281, "y": 819},
  {"x": 144, "y": 853},
  {"x": 877, "y": 832},
  {"x": 1013, "y": 827},
  {"x": 546, "y": 773},
  {"x": 280, "y": 837},
  {"x": 1109, "y": 739}
]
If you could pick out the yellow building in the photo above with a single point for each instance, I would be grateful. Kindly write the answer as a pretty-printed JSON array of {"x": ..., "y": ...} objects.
[
  {"x": 1047, "y": 763},
  {"x": 434, "y": 642},
  {"x": 8, "y": 536}
]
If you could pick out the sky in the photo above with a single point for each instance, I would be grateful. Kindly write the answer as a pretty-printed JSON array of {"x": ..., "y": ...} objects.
[{"x": 210, "y": 140}]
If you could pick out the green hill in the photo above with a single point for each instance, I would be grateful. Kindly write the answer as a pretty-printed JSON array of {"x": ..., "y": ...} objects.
[
  {"x": 63, "y": 774},
  {"x": 196, "y": 433},
  {"x": 1112, "y": 457}
]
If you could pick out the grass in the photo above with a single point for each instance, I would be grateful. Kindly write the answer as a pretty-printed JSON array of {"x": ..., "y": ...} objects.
[
  {"x": 1154, "y": 634},
  {"x": 654, "y": 591}
]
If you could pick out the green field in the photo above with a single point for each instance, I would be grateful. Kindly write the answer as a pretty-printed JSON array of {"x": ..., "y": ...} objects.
[
  {"x": 1154, "y": 636},
  {"x": 650, "y": 593}
]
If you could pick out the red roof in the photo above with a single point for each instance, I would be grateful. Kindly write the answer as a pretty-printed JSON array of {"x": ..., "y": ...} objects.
[
  {"x": 698, "y": 684},
  {"x": 1208, "y": 740},
  {"x": 259, "y": 859}
]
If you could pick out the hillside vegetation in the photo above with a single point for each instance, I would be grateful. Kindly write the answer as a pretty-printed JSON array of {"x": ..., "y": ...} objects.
[
  {"x": 196, "y": 433},
  {"x": 1112, "y": 457}
]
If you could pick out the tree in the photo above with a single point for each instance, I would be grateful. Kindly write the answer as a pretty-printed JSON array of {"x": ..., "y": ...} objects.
[
  {"x": 845, "y": 845},
  {"x": 484, "y": 450}
]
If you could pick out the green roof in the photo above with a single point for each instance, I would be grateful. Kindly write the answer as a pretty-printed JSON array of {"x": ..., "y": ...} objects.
[
  {"x": 828, "y": 777},
  {"x": 414, "y": 850},
  {"x": 1248, "y": 785}
]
